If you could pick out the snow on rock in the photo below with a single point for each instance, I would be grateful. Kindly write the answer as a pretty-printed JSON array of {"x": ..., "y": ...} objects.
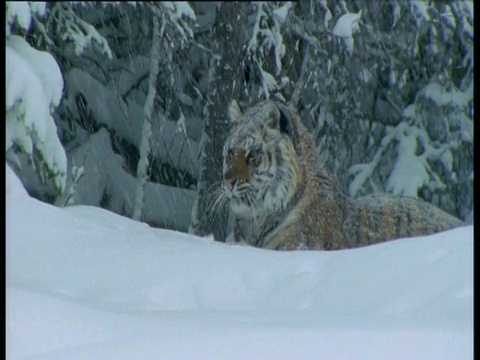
[{"x": 84, "y": 283}]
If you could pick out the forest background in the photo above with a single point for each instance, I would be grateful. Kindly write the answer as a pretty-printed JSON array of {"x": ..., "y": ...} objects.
[{"x": 123, "y": 105}]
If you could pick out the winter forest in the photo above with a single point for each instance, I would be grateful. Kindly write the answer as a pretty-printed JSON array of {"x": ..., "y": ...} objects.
[
  {"x": 116, "y": 118},
  {"x": 122, "y": 105}
]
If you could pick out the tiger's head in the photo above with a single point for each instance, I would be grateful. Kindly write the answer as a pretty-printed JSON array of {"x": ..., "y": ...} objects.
[{"x": 261, "y": 169}]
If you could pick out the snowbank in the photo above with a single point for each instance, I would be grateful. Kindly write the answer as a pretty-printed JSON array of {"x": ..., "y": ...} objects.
[{"x": 84, "y": 283}]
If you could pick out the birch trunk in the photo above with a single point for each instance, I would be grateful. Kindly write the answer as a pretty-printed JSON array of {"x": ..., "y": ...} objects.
[{"x": 142, "y": 169}]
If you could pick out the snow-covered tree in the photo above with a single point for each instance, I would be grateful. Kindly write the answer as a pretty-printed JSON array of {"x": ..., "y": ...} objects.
[
  {"x": 419, "y": 126},
  {"x": 34, "y": 86},
  {"x": 209, "y": 215},
  {"x": 386, "y": 89},
  {"x": 174, "y": 12},
  {"x": 112, "y": 95}
]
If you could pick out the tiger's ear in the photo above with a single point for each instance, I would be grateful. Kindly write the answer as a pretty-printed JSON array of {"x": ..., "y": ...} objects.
[
  {"x": 285, "y": 124},
  {"x": 234, "y": 112},
  {"x": 280, "y": 118}
]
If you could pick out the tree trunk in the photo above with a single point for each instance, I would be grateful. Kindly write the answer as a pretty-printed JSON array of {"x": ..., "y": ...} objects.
[
  {"x": 142, "y": 167},
  {"x": 224, "y": 80}
]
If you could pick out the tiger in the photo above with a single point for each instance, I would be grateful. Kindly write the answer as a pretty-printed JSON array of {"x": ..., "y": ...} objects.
[{"x": 281, "y": 196}]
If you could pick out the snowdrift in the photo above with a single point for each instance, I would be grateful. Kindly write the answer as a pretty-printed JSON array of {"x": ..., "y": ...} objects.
[{"x": 84, "y": 283}]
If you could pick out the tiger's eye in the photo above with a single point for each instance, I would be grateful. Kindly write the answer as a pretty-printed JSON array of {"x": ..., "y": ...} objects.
[{"x": 251, "y": 157}]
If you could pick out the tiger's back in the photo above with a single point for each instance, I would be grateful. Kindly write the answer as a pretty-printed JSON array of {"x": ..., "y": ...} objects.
[{"x": 384, "y": 216}]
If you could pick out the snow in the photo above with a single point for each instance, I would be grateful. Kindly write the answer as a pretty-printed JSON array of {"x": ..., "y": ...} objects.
[
  {"x": 282, "y": 11},
  {"x": 24, "y": 89},
  {"x": 183, "y": 8},
  {"x": 362, "y": 172},
  {"x": 270, "y": 36},
  {"x": 328, "y": 14},
  {"x": 45, "y": 67},
  {"x": 88, "y": 35},
  {"x": 268, "y": 82},
  {"x": 421, "y": 8},
  {"x": 175, "y": 11},
  {"x": 346, "y": 25},
  {"x": 33, "y": 87},
  {"x": 397, "y": 12},
  {"x": 442, "y": 97},
  {"x": 39, "y": 7},
  {"x": 105, "y": 105},
  {"x": 81, "y": 33},
  {"x": 84, "y": 283},
  {"x": 468, "y": 7},
  {"x": 18, "y": 12},
  {"x": 410, "y": 171}
]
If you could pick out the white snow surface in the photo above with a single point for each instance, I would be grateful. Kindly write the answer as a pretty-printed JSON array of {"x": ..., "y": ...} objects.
[{"x": 84, "y": 283}]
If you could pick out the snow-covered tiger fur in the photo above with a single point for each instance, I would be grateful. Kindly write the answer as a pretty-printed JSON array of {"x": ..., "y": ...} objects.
[{"x": 282, "y": 197}]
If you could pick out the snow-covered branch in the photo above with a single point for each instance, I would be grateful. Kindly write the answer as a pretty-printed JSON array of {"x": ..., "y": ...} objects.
[{"x": 34, "y": 88}]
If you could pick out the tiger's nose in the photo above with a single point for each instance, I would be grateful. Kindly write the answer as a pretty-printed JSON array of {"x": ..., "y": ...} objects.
[{"x": 230, "y": 183}]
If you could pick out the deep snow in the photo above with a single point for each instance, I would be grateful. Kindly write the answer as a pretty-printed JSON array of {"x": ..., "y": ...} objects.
[{"x": 84, "y": 283}]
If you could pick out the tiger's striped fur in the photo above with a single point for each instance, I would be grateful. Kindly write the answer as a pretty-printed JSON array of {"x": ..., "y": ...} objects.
[{"x": 282, "y": 197}]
